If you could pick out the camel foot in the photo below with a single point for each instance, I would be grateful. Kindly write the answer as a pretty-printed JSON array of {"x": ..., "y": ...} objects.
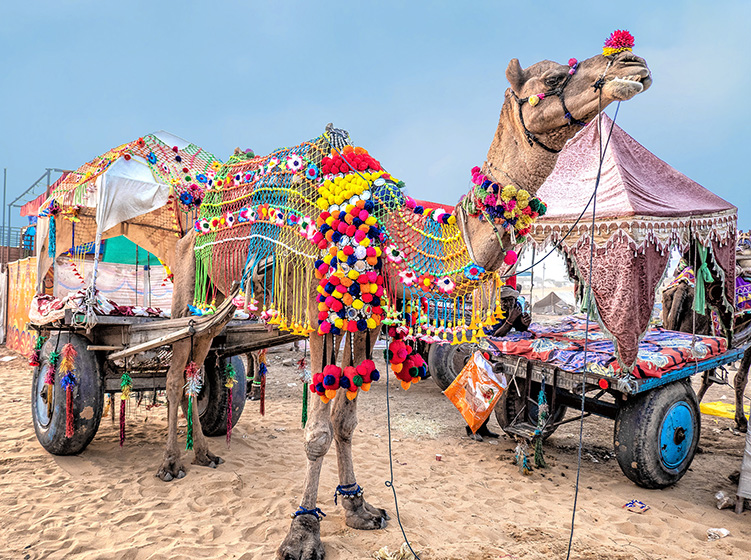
[
  {"x": 171, "y": 469},
  {"x": 359, "y": 514},
  {"x": 742, "y": 427},
  {"x": 303, "y": 542},
  {"x": 207, "y": 459}
]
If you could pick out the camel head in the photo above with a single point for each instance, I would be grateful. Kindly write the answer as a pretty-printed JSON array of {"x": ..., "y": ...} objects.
[
  {"x": 558, "y": 100},
  {"x": 546, "y": 105}
]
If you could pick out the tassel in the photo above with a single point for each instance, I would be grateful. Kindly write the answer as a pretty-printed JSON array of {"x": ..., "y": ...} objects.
[
  {"x": 34, "y": 359},
  {"x": 231, "y": 380},
  {"x": 49, "y": 379},
  {"x": 192, "y": 388},
  {"x": 67, "y": 369},
  {"x": 51, "y": 245},
  {"x": 262, "y": 370},
  {"x": 304, "y": 405},
  {"x": 542, "y": 417},
  {"x": 126, "y": 384},
  {"x": 521, "y": 459}
]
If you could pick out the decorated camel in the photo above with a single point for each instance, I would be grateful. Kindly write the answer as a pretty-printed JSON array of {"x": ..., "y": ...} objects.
[
  {"x": 679, "y": 315},
  {"x": 324, "y": 243}
]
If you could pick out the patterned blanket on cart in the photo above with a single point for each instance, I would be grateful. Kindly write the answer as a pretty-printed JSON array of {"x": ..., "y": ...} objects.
[{"x": 562, "y": 345}]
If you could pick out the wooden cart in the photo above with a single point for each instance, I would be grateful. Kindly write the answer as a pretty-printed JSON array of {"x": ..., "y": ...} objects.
[
  {"x": 140, "y": 346},
  {"x": 657, "y": 420}
]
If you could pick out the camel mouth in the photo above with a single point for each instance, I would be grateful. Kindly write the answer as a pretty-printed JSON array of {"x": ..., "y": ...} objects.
[{"x": 623, "y": 88}]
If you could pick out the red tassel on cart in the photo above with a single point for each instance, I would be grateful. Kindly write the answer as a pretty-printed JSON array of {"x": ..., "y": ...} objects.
[
  {"x": 68, "y": 381},
  {"x": 122, "y": 422},
  {"x": 69, "y": 412}
]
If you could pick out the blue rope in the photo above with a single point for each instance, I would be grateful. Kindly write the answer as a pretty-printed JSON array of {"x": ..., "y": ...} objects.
[
  {"x": 344, "y": 490},
  {"x": 304, "y": 511}
]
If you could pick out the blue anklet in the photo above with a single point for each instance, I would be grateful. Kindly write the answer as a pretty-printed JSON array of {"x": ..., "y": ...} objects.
[
  {"x": 303, "y": 511},
  {"x": 347, "y": 491}
]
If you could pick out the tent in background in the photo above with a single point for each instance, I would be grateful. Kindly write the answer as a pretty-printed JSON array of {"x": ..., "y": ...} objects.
[{"x": 552, "y": 304}]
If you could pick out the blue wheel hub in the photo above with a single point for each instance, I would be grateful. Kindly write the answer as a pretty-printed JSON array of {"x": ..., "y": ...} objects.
[{"x": 676, "y": 434}]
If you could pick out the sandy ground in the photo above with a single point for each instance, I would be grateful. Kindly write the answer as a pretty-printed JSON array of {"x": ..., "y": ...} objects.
[{"x": 474, "y": 504}]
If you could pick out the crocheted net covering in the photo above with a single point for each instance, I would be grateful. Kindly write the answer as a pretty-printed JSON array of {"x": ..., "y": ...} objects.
[{"x": 261, "y": 215}]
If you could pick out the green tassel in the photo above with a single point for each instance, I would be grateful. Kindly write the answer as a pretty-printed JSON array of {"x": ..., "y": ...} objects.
[
  {"x": 702, "y": 276},
  {"x": 189, "y": 437},
  {"x": 539, "y": 457},
  {"x": 304, "y": 404}
]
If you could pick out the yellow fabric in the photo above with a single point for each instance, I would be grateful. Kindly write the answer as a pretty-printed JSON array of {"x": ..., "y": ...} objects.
[{"x": 720, "y": 409}]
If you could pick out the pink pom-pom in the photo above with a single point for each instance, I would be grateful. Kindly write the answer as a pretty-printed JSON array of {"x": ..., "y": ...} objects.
[
  {"x": 511, "y": 257},
  {"x": 620, "y": 39},
  {"x": 572, "y": 62},
  {"x": 475, "y": 169},
  {"x": 410, "y": 203}
]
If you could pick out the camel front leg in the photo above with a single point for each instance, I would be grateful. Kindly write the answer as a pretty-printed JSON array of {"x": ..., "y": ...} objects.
[
  {"x": 303, "y": 541},
  {"x": 359, "y": 514},
  {"x": 741, "y": 379}
]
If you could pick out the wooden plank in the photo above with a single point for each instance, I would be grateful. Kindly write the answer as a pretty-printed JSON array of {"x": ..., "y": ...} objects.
[
  {"x": 201, "y": 325},
  {"x": 101, "y": 347}
]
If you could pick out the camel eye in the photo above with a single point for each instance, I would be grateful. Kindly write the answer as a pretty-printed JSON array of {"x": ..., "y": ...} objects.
[{"x": 552, "y": 81}]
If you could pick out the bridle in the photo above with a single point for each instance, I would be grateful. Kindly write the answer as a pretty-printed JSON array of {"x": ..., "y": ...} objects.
[{"x": 559, "y": 93}]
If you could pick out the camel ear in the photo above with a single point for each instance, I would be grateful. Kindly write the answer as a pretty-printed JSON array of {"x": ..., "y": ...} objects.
[{"x": 515, "y": 75}]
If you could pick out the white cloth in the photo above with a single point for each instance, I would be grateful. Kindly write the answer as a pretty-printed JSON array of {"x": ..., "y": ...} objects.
[{"x": 128, "y": 189}]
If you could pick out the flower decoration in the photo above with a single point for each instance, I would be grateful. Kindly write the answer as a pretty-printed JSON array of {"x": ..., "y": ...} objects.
[
  {"x": 242, "y": 215},
  {"x": 141, "y": 143},
  {"x": 425, "y": 281},
  {"x": 272, "y": 165},
  {"x": 394, "y": 254},
  {"x": 408, "y": 277},
  {"x": 229, "y": 219},
  {"x": 294, "y": 162},
  {"x": 151, "y": 158},
  {"x": 620, "y": 40},
  {"x": 216, "y": 166},
  {"x": 214, "y": 224},
  {"x": 311, "y": 172},
  {"x": 445, "y": 285},
  {"x": 277, "y": 216},
  {"x": 473, "y": 271},
  {"x": 186, "y": 198}
]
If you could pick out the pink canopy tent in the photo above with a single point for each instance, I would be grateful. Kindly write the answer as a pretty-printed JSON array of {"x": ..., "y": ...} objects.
[{"x": 644, "y": 208}]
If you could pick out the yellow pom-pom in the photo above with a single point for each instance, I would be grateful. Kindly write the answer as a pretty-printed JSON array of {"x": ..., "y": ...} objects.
[
  {"x": 372, "y": 323},
  {"x": 339, "y": 323},
  {"x": 365, "y": 242},
  {"x": 322, "y": 306},
  {"x": 406, "y": 385},
  {"x": 325, "y": 399},
  {"x": 357, "y": 304},
  {"x": 534, "y": 100},
  {"x": 371, "y": 221},
  {"x": 330, "y": 393},
  {"x": 452, "y": 220},
  {"x": 353, "y": 274},
  {"x": 322, "y": 203}
]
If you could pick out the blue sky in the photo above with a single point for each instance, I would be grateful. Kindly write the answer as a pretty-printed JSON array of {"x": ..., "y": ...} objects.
[{"x": 419, "y": 84}]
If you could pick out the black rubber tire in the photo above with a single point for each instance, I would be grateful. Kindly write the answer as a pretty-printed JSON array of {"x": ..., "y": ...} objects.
[
  {"x": 212, "y": 400},
  {"x": 445, "y": 362},
  {"x": 88, "y": 399},
  {"x": 638, "y": 431},
  {"x": 510, "y": 404}
]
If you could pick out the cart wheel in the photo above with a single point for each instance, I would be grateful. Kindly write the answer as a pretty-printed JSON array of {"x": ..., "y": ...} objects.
[
  {"x": 445, "y": 362},
  {"x": 656, "y": 435},
  {"x": 212, "y": 400},
  {"x": 508, "y": 411},
  {"x": 88, "y": 398}
]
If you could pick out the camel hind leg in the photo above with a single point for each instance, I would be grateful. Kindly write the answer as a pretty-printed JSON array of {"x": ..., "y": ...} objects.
[{"x": 358, "y": 513}]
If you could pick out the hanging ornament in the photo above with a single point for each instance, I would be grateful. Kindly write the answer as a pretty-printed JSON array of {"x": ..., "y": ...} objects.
[
  {"x": 230, "y": 379},
  {"x": 126, "y": 385},
  {"x": 192, "y": 388},
  {"x": 68, "y": 382}
]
